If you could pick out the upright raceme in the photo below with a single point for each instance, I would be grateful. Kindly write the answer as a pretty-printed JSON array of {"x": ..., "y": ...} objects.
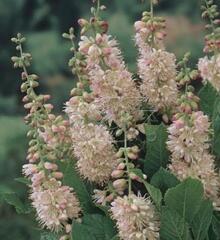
[
  {"x": 210, "y": 70},
  {"x": 92, "y": 142},
  {"x": 136, "y": 218},
  {"x": 114, "y": 89},
  {"x": 156, "y": 67},
  {"x": 188, "y": 142}
]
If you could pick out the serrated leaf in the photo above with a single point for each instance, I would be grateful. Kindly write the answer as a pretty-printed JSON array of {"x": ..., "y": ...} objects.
[
  {"x": 80, "y": 232},
  {"x": 207, "y": 96},
  {"x": 23, "y": 180},
  {"x": 155, "y": 194},
  {"x": 164, "y": 180},
  {"x": 202, "y": 220},
  {"x": 157, "y": 154},
  {"x": 49, "y": 236},
  {"x": 215, "y": 228},
  {"x": 216, "y": 127},
  {"x": 72, "y": 179},
  {"x": 96, "y": 226},
  {"x": 12, "y": 199},
  {"x": 115, "y": 238},
  {"x": 185, "y": 198},
  {"x": 173, "y": 226}
]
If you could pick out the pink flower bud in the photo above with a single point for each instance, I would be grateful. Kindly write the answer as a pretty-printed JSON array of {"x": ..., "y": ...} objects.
[
  {"x": 139, "y": 25},
  {"x": 121, "y": 166},
  {"x": 117, "y": 173},
  {"x": 50, "y": 166},
  {"x": 57, "y": 175}
]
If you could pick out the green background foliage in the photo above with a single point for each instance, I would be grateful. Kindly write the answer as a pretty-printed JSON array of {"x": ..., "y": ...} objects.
[{"x": 42, "y": 22}]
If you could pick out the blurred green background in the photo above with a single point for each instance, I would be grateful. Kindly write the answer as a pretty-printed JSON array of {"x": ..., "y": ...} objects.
[{"x": 43, "y": 22}]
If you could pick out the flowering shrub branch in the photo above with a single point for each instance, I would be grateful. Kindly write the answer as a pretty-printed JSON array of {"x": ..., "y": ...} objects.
[{"x": 144, "y": 147}]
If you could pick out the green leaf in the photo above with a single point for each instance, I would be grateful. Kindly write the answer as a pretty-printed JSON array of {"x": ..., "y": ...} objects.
[
  {"x": 96, "y": 226},
  {"x": 23, "y": 180},
  {"x": 155, "y": 194},
  {"x": 216, "y": 127},
  {"x": 164, "y": 180},
  {"x": 72, "y": 179},
  {"x": 173, "y": 226},
  {"x": 185, "y": 198},
  {"x": 157, "y": 154},
  {"x": 12, "y": 199},
  {"x": 207, "y": 96},
  {"x": 80, "y": 232},
  {"x": 49, "y": 236},
  {"x": 202, "y": 220},
  {"x": 215, "y": 229},
  {"x": 115, "y": 238}
]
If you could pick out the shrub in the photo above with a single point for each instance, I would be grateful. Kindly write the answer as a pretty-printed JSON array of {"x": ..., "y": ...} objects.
[{"x": 136, "y": 158}]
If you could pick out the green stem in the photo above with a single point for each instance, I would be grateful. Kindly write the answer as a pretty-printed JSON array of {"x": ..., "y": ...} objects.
[
  {"x": 127, "y": 161},
  {"x": 151, "y": 9},
  {"x": 212, "y": 25}
]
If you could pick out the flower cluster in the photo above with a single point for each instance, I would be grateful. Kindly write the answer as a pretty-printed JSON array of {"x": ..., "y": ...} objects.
[
  {"x": 210, "y": 70},
  {"x": 158, "y": 71},
  {"x": 156, "y": 67},
  {"x": 188, "y": 142},
  {"x": 55, "y": 204},
  {"x": 112, "y": 84},
  {"x": 104, "y": 134},
  {"x": 135, "y": 217}
]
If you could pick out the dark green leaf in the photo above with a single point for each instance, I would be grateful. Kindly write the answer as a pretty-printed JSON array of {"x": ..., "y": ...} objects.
[
  {"x": 80, "y": 232},
  {"x": 216, "y": 127},
  {"x": 157, "y": 154},
  {"x": 215, "y": 229},
  {"x": 72, "y": 179},
  {"x": 13, "y": 199},
  {"x": 49, "y": 236},
  {"x": 173, "y": 226},
  {"x": 155, "y": 194},
  {"x": 208, "y": 97},
  {"x": 164, "y": 180},
  {"x": 185, "y": 198},
  {"x": 202, "y": 220},
  {"x": 23, "y": 180},
  {"x": 97, "y": 226}
]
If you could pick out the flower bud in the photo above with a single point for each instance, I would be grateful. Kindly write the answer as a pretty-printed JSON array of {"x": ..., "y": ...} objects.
[
  {"x": 117, "y": 173},
  {"x": 120, "y": 184},
  {"x": 57, "y": 175},
  {"x": 121, "y": 166},
  {"x": 132, "y": 156}
]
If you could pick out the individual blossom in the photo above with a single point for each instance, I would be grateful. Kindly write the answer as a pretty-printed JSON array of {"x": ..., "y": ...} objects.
[
  {"x": 210, "y": 70},
  {"x": 136, "y": 218},
  {"x": 157, "y": 70},
  {"x": 93, "y": 147},
  {"x": 55, "y": 204}
]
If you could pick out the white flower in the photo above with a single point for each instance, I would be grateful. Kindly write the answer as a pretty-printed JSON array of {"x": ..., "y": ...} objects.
[
  {"x": 157, "y": 69},
  {"x": 136, "y": 218},
  {"x": 93, "y": 147},
  {"x": 210, "y": 70},
  {"x": 55, "y": 204},
  {"x": 188, "y": 141},
  {"x": 116, "y": 93}
]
